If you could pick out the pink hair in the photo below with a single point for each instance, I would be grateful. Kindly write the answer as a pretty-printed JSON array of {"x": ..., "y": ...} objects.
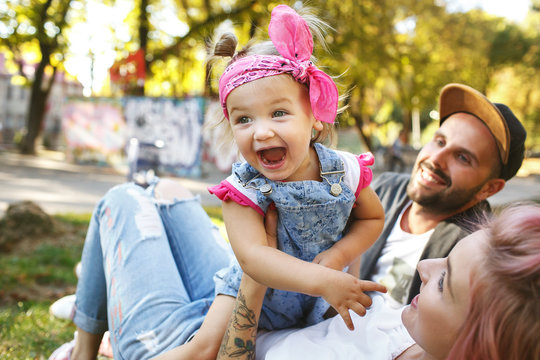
[{"x": 504, "y": 311}]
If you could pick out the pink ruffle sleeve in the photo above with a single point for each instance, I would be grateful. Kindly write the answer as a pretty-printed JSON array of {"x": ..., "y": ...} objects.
[
  {"x": 366, "y": 175},
  {"x": 226, "y": 191}
]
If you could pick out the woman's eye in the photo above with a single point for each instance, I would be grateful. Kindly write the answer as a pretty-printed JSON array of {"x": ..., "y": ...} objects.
[
  {"x": 441, "y": 281},
  {"x": 279, "y": 113}
]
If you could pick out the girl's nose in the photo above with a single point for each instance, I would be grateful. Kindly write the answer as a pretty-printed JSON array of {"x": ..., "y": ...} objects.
[{"x": 262, "y": 130}]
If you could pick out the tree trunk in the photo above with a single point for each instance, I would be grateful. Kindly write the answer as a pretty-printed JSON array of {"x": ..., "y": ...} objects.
[{"x": 36, "y": 109}]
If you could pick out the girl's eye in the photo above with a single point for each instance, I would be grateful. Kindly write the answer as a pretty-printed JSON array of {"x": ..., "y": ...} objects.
[
  {"x": 441, "y": 281},
  {"x": 242, "y": 120},
  {"x": 279, "y": 113}
]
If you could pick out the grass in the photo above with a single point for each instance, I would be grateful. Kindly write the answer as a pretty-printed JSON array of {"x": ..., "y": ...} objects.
[{"x": 35, "y": 274}]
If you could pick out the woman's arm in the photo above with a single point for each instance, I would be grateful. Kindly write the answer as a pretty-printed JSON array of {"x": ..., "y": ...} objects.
[
  {"x": 239, "y": 339},
  {"x": 365, "y": 225}
]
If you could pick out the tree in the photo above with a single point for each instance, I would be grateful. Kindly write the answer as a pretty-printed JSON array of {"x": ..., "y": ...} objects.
[{"x": 38, "y": 25}]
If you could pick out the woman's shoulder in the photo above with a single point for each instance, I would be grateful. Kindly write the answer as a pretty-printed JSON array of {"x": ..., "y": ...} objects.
[{"x": 380, "y": 334}]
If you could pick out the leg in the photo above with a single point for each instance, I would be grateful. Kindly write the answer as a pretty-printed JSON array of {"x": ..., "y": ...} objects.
[
  {"x": 86, "y": 345},
  {"x": 197, "y": 247},
  {"x": 147, "y": 301}
]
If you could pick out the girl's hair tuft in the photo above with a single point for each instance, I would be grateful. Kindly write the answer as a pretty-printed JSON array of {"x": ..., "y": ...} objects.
[{"x": 226, "y": 45}]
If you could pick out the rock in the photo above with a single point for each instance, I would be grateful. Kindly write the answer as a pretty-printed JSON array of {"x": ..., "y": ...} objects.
[{"x": 23, "y": 220}]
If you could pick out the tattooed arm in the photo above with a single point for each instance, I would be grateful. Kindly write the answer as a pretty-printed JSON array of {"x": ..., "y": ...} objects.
[{"x": 239, "y": 339}]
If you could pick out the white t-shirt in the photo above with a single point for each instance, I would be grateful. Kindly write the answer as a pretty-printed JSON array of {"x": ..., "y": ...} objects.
[
  {"x": 379, "y": 335},
  {"x": 397, "y": 263}
]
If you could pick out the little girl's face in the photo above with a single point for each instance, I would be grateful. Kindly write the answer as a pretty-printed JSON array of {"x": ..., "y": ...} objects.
[{"x": 272, "y": 124}]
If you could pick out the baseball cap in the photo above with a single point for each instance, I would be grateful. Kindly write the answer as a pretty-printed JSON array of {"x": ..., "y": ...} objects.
[{"x": 505, "y": 127}]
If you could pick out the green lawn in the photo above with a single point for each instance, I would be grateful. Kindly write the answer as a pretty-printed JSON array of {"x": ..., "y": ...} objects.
[{"x": 32, "y": 276}]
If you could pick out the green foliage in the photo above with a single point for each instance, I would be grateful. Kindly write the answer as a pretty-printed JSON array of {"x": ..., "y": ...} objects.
[
  {"x": 32, "y": 278},
  {"x": 397, "y": 52},
  {"x": 28, "y": 331}
]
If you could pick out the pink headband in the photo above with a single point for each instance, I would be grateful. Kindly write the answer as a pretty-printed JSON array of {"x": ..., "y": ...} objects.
[{"x": 292, "y": 38}]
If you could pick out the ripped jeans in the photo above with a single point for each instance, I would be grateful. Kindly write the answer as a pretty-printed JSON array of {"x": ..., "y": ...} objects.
[{"x": 148, "y": 269}]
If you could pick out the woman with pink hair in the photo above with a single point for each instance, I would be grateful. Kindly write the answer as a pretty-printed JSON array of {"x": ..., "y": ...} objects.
[{"x": 481, "y": 302}]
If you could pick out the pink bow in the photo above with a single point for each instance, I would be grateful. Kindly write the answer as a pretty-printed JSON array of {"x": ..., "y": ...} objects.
[{"x": 292, "y": 38}]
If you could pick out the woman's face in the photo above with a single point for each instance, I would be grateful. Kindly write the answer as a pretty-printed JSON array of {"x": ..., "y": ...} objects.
[{"x": 435, "y": 316}]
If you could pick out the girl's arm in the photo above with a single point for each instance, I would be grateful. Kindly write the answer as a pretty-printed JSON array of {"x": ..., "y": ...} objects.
[
  {"x": 365, "y": 226},
  {"x": 276, "y": 269}
]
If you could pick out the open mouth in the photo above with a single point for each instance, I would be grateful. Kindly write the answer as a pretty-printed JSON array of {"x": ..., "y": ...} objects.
[
  {"x": 273, "y": 156},
  {"x": 430, "y": 175}
]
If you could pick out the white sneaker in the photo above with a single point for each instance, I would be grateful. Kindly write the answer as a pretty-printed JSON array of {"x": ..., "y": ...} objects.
[
  {"x": 63, "y": 308},
  {"x": 78, "y": 269},
  {"x": 64, "y": 351}
]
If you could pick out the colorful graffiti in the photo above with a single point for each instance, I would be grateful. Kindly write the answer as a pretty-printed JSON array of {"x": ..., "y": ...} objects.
[
  {"x": 94, "y": 131},
  {"x": 176, "y": 124},
  {"x": 167, "y": 132}
]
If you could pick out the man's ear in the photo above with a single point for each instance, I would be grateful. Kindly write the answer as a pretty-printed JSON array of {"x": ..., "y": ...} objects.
[{"x": 490, "y": 188}]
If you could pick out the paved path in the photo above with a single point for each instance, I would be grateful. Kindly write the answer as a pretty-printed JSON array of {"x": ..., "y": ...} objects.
[{"x": 60, "y": 188}]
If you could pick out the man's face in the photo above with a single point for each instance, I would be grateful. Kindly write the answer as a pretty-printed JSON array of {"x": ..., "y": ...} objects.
[{"x": 453, "y": 170}]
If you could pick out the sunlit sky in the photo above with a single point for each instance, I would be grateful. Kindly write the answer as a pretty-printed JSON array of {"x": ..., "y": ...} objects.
[
  {"x": 512, "y": 9},
  {"x": 96, "y": 36}
]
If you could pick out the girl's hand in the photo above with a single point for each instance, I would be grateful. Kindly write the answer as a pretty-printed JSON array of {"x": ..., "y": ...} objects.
[
  {"x": 331, "y": 258},
  {"x": 344, "y": 291}
]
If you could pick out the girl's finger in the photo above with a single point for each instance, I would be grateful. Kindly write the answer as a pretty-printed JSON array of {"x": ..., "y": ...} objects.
[{"x": 347, "y": 318}]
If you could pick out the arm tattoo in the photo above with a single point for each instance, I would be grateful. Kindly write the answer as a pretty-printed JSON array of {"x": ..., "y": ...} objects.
[{"x": 239, "y": 339}]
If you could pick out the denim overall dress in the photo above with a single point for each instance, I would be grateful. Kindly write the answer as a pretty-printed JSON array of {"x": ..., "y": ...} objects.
[{"x": 311, "y": 219}]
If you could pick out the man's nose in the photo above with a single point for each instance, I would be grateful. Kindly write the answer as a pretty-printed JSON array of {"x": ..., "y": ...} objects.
[{"x": 439, "y": 158}]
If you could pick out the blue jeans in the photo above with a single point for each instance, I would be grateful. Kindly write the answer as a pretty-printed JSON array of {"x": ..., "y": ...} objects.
[{"x": 148, "y": 271}]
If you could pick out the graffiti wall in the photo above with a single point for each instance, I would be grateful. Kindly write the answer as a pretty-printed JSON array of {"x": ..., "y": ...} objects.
[
  {"x": 168, "y": 133},
  {"x": 175, "y": 124},
  {"x": 94, "y": 131}
]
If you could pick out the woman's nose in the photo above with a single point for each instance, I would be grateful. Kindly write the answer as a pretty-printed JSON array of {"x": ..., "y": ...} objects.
[{"x": 425, "y": 268}]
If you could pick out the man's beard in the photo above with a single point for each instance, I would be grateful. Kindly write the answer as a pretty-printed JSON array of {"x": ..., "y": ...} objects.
[{"x": 446, "y": 201}]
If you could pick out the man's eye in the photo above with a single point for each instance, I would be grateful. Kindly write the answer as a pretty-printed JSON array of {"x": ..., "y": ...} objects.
[
  {"x": 279, "y": 113},
  {"x": 464, "y": 159}
]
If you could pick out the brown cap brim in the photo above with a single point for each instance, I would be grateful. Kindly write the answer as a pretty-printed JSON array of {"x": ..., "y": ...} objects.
[{"x": 456, "y": 98}]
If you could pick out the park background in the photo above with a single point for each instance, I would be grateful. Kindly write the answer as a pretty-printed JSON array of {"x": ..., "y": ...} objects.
[{"x": 79, "y": 79}]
